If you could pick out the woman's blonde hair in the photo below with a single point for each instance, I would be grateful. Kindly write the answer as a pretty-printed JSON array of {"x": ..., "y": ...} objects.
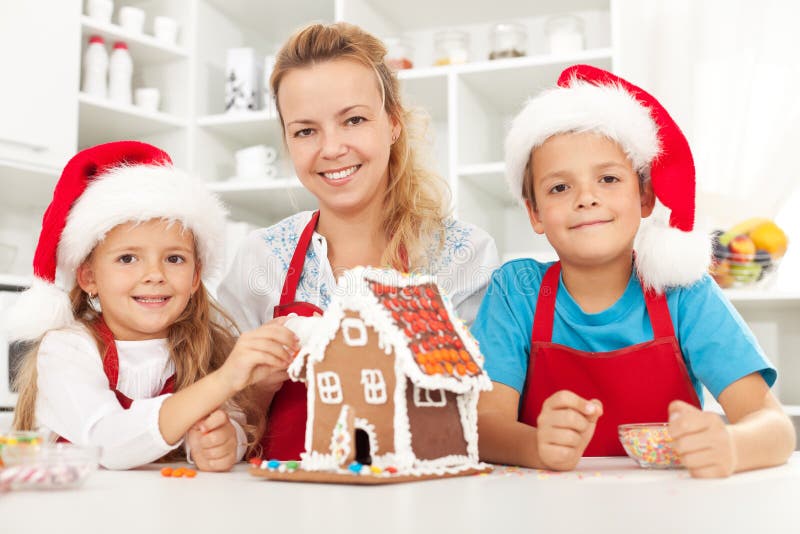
[
  {"x": 417, "y": 200},
  {"x": 199, "y": 341}
]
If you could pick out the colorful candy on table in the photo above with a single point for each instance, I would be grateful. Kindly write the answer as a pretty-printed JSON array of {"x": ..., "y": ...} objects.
[
  {"x": 747, "y": 252},
  {"x": 649, "y": 444},
  {"x": 178, "y": 472},
  {"x": 291, "y": 466}
]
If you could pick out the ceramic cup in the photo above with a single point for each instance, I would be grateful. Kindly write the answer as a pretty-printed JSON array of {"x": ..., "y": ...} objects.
[
  {"x": 100, "y": 10},
  {"x": 165, "y": 29},
  {"x": 132, "y": 19},
  {"x": 147, "y": 98}
]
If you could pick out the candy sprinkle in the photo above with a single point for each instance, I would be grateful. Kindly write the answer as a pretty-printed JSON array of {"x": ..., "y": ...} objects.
[{"x": 651, "y": 446}]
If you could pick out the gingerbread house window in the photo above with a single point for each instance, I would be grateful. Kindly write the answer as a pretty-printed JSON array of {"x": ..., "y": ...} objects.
[
  {"x": 429, "y": 398},
  {"x": 354, "y": 331},
  {"x": 374, "y": 386},
  {"x": 330, "y": 387}
]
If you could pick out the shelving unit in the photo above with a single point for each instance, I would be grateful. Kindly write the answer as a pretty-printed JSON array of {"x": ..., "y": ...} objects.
[{"x": 469, "y": 108}]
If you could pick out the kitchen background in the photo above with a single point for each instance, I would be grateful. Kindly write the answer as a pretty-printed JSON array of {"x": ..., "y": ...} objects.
[{"x": 189, "y": 78}]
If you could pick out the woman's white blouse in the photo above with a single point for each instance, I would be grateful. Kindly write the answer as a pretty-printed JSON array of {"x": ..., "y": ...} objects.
[
  {"x": 252, "y": 287},
  {"x": 74, "y": 400}
]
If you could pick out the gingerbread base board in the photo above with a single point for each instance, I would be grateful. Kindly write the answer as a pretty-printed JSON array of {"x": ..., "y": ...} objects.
[{"x": 324, "y": 477}]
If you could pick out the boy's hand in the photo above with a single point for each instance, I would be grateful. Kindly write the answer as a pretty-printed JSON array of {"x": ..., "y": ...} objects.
[
  {"x": 564, "y": 428},
  {"x": 702, "y": 440},
  {"x": 261, "y": 355},
  {"x": 212, "y": 442}
]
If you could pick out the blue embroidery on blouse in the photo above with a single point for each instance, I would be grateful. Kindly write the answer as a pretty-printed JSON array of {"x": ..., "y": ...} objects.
[{"x": 281, "y": 239}]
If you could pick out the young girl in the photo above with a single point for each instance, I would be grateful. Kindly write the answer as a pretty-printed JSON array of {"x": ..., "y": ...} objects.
[
  {"x": 605, "y": 337},
  {"x": 349, "y": 138},
  {"x": 134, "y": 358}
]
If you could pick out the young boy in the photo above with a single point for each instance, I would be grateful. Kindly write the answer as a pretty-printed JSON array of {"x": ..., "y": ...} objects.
[{"x": 606, "y": 335}]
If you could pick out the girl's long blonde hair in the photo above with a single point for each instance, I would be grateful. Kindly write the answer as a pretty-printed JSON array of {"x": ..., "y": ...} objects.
[
  {"x": 417, "y": 200},
  {"x": 199, "y": 342}
]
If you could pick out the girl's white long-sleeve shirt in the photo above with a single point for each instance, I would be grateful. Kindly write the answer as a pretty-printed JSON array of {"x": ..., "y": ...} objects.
[{"x": 74, "y": 400}]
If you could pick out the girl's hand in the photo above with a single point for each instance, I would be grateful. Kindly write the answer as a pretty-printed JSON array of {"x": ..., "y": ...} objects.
[
  {"x": 564, "y": 429},
  {"x": 702, "y": 440},
  {"x": 261, "y": 355},
  {"x": 212, "y": 442}
]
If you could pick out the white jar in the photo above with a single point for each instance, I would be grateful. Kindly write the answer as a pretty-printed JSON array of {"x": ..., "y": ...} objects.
[
  {"x": 565, "y": 34},
  {"x": 120, "y": 73},
  {"x": 95, "y": 68}
]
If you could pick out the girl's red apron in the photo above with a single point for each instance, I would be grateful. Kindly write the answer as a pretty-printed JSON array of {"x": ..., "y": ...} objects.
[
  {"x": 635, "y": 384},
  {"x": 284, "y": 438},
  {"x": 111, "y": 369}
]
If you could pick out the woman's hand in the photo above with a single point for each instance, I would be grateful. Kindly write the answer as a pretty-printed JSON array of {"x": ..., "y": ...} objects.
[{"x": 564, "y": 429}]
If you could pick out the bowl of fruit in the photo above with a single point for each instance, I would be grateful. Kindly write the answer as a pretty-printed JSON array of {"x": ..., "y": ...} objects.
[{"x": 747, "y": 253}]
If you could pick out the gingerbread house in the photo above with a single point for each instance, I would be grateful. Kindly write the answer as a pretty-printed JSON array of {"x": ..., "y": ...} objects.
[{"x": 393, "y": 378}]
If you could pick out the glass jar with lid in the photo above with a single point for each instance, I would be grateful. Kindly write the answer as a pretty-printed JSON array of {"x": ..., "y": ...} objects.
[
  {"x": 508, "y": 39},
  {"x": 451, "y": 47},
  {"x": 398, "y": 53},
  {"x": 565, "y": 34}
]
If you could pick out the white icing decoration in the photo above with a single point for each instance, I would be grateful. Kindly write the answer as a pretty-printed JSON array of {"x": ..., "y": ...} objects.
[
  {"x": 374, "y": 386},
  {"x": 353, "y": 323},
  {"x": 341, "y": 439},
  {"x": 369, "y": 429},
  {"x": 423, "y": 398},
  {"x": 330, "y": 387}
]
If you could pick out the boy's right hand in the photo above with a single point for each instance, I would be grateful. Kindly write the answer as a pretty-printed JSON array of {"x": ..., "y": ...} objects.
[
  {"x": 261, "y": 355},
  {"x": 564, "y": 429}
]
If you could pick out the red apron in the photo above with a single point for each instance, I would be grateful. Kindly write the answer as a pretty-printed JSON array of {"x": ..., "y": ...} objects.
[
  {"x": 111, "y": 369},
  {"x": 635, "y": 384},
  {"x": 284, "y": 438}
]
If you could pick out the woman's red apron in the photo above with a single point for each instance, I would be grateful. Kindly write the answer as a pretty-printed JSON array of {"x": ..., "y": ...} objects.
[
  {"x": 284, "y": 438},
  {"x": 635, "y": 384},
  {"x": 111, "y": 369}
]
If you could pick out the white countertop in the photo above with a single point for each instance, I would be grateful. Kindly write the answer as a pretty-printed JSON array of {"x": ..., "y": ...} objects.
[{"x": 603, "y": 495}]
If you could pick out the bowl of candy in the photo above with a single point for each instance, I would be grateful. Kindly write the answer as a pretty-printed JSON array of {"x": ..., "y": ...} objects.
[
  {"x": 650, "y": 445},
  {"x": 30, "y": 463},
  {"x": 747, "y": 253}
]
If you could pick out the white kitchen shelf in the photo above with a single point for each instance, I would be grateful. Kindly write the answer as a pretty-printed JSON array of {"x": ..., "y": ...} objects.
[
  {"x": 101, "y": 121},
  {"x": 505, "y": 84},
  {"x": 264, "y": 202},
  {"x": 489, "y": 178},
  {"x": 413, "y": 14},
  {"x": 243, "y": 128},
  {"x": 25, "y": 185},
  {"x": 145, "y": 49},
  {"x": 15, "y": 280},
  {"x": 274, "y": 18},
  {"x": 769, "y": 296}
]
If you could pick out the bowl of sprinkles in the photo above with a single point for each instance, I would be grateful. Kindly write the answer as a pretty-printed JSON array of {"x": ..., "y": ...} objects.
[{"x": 650, "y": 445}]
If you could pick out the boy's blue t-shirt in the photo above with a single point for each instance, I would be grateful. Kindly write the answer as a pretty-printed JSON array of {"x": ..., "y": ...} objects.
[{"x": 717, "y": 345}]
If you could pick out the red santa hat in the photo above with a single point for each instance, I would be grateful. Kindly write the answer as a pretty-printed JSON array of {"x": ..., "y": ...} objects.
[
  {"x": 670, "y": 251},
  {"x": 100, "y": 188}
]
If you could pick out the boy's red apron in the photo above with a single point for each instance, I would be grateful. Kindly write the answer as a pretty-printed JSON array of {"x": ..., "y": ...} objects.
[
  {"x": 635, "y": 384},
  {"x": 111, "y": 369},
  {"x": 284, "y": 438}
]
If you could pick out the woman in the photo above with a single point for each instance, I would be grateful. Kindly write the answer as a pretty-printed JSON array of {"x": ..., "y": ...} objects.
[{"x": 348, "y": 136}]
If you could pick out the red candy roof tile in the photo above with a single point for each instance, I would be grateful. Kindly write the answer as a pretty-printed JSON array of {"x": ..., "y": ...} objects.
[{"x": 419, "y": 312}]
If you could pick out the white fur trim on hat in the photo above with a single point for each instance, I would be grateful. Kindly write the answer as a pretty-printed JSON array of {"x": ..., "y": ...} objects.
[
  {"x": 139, "y": 193},
  {"x": 44, "y": 306},
  {"x": 609, "y": 110},
  {"x": 668, "y": 257}
]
